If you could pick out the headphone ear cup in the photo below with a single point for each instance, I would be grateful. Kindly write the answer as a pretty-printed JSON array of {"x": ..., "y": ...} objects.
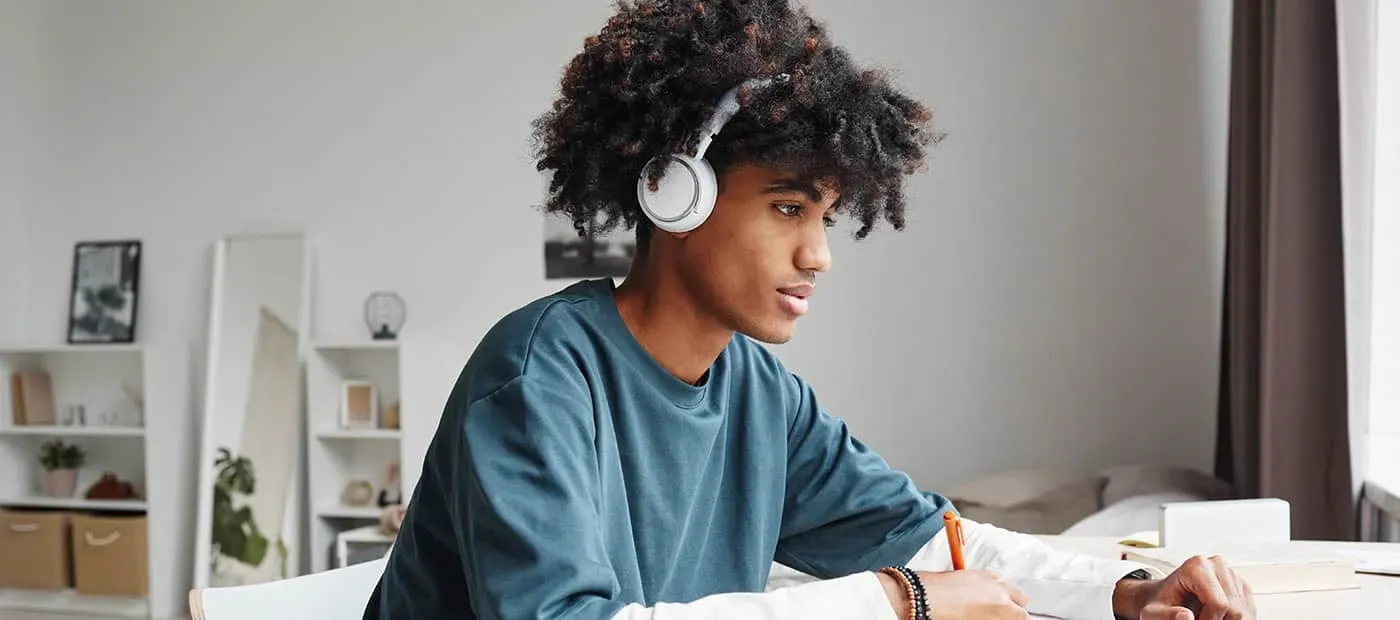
[{"x": 684, "y": 197}]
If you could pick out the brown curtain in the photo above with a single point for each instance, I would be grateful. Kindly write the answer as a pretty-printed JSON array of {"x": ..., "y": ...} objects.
[{"x": 1283, "y": 386}]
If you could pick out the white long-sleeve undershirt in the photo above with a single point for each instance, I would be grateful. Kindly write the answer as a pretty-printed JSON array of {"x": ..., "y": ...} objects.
[{"x": 1058, "y": 584}]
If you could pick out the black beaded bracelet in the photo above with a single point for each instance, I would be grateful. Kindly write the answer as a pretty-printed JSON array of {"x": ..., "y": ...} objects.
[{"x": 920, "y": 603}]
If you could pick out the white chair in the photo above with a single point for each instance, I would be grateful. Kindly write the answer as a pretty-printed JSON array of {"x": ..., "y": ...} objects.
[{"x": 339, "y": 594}]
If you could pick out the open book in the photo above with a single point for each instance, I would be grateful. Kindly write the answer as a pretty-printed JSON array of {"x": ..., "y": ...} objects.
[{"x": 1267, "y": 569}]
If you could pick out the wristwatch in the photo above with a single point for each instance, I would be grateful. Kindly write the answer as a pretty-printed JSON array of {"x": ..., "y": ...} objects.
[{"x": 1140, "y": 574}]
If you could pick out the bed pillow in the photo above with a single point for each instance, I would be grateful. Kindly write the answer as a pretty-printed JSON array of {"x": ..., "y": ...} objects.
[
  {"x": 1136, "y": 514},
  {"x": 1125, "y": 481},
  {"x": 1033, "y": 501}
]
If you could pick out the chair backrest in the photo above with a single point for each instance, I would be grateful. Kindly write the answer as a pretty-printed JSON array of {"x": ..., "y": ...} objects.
[{"x": 339, "y": 594}]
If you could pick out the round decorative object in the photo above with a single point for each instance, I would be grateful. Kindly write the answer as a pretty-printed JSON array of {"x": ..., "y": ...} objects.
[
  {"x": 357, "y": 494},
  {"x": 384, "y": 314}
]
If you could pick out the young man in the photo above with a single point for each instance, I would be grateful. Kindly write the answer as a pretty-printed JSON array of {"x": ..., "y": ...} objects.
[{"x": 633, "y": 452}]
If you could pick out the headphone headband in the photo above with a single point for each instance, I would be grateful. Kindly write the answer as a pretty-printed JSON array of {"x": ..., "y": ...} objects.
[
  {"x": 727, "y": 107},
  {"x": 688, "y": 187}
]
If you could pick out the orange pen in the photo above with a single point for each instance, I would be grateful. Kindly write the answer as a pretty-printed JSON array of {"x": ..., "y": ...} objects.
[{"x": 953, "y": 525}]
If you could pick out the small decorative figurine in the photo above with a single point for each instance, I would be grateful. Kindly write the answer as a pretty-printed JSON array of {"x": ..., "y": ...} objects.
[
  {"x": 391, "y": 495},
  {"x": 389, "y": 419},
  {"x": 111, "y": 487}
]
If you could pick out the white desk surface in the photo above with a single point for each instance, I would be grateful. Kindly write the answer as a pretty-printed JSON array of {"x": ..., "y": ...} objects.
[{"x": 1379, "y": 596}]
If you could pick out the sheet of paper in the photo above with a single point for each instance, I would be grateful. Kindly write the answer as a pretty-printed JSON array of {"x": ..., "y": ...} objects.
[{"x": 1373, "y": 562}]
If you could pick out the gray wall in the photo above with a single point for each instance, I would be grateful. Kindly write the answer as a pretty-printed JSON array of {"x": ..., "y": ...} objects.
[
  {"x": 23, "y": 89},
  {"x": 1054, "y": 301}
]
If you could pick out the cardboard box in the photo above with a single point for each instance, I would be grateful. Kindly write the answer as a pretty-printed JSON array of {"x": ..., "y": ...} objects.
[
  {"x": 34, "y": 550},
  {"x": 109, "y": 555}
]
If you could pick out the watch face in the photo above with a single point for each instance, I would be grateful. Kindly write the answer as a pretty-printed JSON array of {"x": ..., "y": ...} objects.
[{"x": 1138, "y": 574}]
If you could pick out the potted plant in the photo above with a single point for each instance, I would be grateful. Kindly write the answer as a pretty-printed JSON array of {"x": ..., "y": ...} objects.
[{"x": 61, "y": 461}]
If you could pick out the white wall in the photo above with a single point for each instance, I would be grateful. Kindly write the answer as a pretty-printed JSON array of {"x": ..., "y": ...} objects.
[
  {"x": 1069, "y": 235},
  {"x": 23, "y": 72}
]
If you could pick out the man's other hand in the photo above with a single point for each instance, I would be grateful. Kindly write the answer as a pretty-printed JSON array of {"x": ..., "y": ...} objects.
[{"x": 1203, "y": 588}]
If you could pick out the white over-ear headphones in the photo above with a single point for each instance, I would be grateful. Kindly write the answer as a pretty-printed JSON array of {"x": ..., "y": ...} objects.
[{"x": 686, "y": 193}]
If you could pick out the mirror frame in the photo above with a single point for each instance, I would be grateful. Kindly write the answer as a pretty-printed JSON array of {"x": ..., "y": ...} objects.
[{"x": 205, "y": 498}]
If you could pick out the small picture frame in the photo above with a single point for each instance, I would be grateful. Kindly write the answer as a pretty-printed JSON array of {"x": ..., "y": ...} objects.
[
  {"x": 105, "y": 292},
  {"x": 359, "y": 405}
]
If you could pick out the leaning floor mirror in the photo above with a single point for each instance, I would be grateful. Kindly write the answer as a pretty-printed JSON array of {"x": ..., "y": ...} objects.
[{"x": 250, "y": 466}]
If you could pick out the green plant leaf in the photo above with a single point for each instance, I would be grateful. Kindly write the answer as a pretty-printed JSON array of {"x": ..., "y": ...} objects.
[
  {"x": 236, "y": 534},
  {"x": 256, "y": 551},
  {"x": 58, "y": 454}
]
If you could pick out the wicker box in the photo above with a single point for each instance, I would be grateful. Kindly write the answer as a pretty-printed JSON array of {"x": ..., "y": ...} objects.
[
  {"x": 109, "y": 555},
  {"x": 34, "y": 550}
]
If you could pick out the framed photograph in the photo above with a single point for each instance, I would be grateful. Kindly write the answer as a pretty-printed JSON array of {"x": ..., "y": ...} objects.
[
  {"x": 359, "y": 405},
  {"x": 569, "y": 256},
  {"x": 105, "y": 292}
]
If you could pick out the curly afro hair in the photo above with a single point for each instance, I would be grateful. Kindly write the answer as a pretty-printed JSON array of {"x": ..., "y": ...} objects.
[{"x": 645, "y": 84}]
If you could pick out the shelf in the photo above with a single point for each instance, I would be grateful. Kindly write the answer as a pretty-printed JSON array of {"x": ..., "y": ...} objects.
[
  {"x": 151, "y": 452},
  {"x": 75, "y": 431},
  {"x": 376, "y": 345},
  {"x": 43, "y": 349},
  {"x": 351, "y": 512},
  {"x": 70, "y": 602},
  {"x": 76, "y": 503},
  {"x": 369, "y": 534},
  {"x": 360, "y": 433},
  {"x": 337, "y": 456}
]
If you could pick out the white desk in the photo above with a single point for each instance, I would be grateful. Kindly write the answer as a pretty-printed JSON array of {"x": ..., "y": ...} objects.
[{"x": 1379, "y": 596}]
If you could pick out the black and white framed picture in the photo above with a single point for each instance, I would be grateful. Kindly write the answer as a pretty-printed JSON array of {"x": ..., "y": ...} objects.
[
  {"x": 568, "y": 256},
  {"x": 105, "y": 292}
]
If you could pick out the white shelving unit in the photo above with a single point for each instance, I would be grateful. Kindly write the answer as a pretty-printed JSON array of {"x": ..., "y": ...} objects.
[
  {"x": 76, "y": 503},
  {"x": 357, "y": 433},
  {"x": 365, "y": 513},
  {"x": 68, "y": 602},
  {"x": 75, "y": 431},
  {"x": 150, "y": 447},
  {"x": 337, "y": 455}
]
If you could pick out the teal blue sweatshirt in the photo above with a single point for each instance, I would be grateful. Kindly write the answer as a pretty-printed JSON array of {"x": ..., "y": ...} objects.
[{"x": 571, "y": 475}]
